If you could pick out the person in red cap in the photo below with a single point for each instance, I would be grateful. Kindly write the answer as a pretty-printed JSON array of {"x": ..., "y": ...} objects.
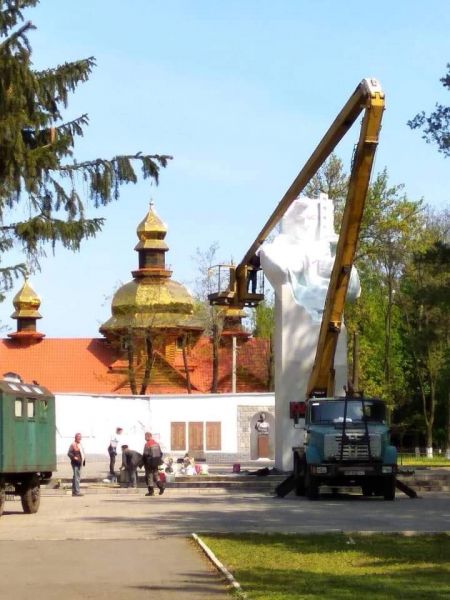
[{"x": 152, "y": 460}]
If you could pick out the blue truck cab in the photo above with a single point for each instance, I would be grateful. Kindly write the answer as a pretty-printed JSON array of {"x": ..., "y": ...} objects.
[{"x": 346, "y": 443}]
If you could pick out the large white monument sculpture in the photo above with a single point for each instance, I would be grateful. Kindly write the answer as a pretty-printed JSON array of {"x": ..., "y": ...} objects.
[{"x": 298, "y": 264}]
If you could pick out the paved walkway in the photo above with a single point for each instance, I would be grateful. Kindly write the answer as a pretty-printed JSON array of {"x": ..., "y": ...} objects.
[{"x": 127, "y": 545}]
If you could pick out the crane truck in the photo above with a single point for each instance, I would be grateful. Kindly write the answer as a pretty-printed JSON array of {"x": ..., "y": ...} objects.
[{"x": 345, "y": 439}]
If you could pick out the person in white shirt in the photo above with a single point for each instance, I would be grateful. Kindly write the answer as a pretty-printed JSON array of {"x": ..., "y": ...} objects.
[{"x": 114, "y": 444}]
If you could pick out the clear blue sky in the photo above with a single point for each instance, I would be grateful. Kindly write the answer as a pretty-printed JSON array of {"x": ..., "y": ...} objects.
[{"x": 239, "y": 92}]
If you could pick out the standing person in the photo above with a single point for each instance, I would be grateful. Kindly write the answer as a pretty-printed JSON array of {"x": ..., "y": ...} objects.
[
  {"x": 152, "y": 460},
  {"x": 77, "y": 460},
  {"x": 114, "y": 444},
  {"x": 254, "y": 265},
  {"x": 131, "y": 460}
]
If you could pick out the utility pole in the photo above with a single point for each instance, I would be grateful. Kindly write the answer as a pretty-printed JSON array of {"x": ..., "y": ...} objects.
[{"x": 233, "y": 364}]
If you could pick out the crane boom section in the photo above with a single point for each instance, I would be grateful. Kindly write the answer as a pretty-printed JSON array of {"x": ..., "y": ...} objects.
[
  {"x": 321, "y": 381},
  {"x": 365, "y": 97}
]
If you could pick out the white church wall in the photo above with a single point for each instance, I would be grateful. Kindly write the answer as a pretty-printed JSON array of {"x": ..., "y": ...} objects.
[{"x": 96, "y": 417}]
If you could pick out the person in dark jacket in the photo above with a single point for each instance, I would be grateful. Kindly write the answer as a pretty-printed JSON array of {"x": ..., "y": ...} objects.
[
  {"x": 152, "y": 460},
  {"x": 254, "y": 265},
  {"x": 77, "y": 460},
  {"x": 131, "y": 461}
]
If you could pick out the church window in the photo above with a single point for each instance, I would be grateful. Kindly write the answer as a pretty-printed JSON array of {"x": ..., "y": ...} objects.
[
  {"x": 178, "y": 436},
  {"x": 195, "y": 436},
  {"x": 213, "y": 435}
]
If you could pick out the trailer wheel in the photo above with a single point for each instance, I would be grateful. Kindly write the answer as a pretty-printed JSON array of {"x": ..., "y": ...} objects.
[
  {"x": 389, "y": 488},
  {"x": 31, "y": 495},
  {"x": 312, "y": 486},
  {"x": 2, "y": 496}
]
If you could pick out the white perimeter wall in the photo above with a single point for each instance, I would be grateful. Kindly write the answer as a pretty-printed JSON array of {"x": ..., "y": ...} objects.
[{"x": 96, "y": 417}]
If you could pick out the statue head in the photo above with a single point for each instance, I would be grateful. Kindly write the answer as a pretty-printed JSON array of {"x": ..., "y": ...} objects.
[{"x": 310, "y": 219}]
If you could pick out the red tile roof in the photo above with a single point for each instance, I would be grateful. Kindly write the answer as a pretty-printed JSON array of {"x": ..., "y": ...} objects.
[{"x": 70, "y": 365}]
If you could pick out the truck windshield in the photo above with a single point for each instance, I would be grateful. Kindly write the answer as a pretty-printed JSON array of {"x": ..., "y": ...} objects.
[{"x": 332, "y": 411}]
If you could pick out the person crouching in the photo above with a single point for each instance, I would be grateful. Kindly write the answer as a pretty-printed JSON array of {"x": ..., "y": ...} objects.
[{"x": 131, "y": 461}]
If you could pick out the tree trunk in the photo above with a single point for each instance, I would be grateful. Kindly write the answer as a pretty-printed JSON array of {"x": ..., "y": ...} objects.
[
  {"x": 215, "y": 359},
  {"x": 448, "y": 426},
  {"x": 271, "y": 366},
  {"x": 233, "y": 364},
  {"x": 430, "y": 419},
  {"x": 131, "y": 369},
  {"x": 185, "y": 363},
  {"x": 387, "y": 338},
  {"x": 148, "y": 362}
]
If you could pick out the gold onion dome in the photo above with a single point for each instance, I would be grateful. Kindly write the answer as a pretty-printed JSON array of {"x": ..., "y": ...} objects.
[
  {"x": 152, "y": 300},
  {"x": 151, "y": 232},
  {"x": 26, "y": 302}
]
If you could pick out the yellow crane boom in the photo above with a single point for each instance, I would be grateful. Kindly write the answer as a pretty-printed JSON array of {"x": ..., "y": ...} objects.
[{"x": 367, "y": 97}]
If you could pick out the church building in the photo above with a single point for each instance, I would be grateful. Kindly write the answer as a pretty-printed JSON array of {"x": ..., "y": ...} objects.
[{"x": 153, "y": 343}]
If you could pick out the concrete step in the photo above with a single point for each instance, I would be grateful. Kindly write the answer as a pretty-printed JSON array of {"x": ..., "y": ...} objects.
[{"x": 222, "y": 477}]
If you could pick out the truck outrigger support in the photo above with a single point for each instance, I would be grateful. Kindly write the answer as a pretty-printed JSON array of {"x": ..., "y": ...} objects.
[{"x": 292, "y": 483}]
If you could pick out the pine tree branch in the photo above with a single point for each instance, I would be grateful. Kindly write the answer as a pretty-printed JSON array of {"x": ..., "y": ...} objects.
[
  {"x": 41, "y": 229},
  {"x": 55, "y": 83},
  {"x": 11, "y": 13},
  {"x": 8, "y": 275},
  {"x": 18, "y": 36},
  {"x": 162, "y": 159}
]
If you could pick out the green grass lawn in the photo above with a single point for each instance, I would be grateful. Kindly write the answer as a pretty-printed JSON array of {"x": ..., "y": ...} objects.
[
  {"x": 410, "y": 460},
  {"x": 337, "y": 566}
]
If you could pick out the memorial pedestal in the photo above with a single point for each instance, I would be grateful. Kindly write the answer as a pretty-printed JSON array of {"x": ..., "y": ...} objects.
[{"x": 263, "y": 446}]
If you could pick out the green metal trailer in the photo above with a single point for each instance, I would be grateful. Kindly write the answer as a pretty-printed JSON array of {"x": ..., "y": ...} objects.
[{"x": 27, "y": 441}]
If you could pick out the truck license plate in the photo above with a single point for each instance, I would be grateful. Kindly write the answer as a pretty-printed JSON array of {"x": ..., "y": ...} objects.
[{"x": 354, "y": 473}]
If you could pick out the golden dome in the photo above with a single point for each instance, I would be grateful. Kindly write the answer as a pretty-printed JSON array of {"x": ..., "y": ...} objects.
[
  {"x": 152, "y": 300},
  {"x": 151, "y": 231},
  {"x": 232, "y": 312},
  {"x": 151, "y": 303},
  {"x": 26, "y": 302}
]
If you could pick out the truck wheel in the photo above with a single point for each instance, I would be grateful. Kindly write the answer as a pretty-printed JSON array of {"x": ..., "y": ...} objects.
[
  {"x": 312, "y": 486},
  {"x": 31, "y": 496},
  {"x": 367, "y": 489},
  {"x": 2, "y": 497},
  {"x": 389, "y": 489}
]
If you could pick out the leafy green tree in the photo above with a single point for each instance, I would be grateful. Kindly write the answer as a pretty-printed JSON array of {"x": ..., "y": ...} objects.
[
  {"x": 389, "y": 232},
  {"x": 330, "y": 179},
  {"x": 40, "y": 178},
  {"x": 436, "y": 125},
  {"x": 425, "y": 303}
]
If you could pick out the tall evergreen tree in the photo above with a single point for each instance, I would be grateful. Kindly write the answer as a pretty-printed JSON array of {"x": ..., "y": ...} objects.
[{"x": 40, "y": 178}]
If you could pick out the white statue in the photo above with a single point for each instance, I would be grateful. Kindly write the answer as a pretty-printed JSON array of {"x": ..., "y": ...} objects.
[
  {"x": 261, "y": 425},
  {"x": 303, "y": 254},
  {"x": 298, "y": 264}
]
